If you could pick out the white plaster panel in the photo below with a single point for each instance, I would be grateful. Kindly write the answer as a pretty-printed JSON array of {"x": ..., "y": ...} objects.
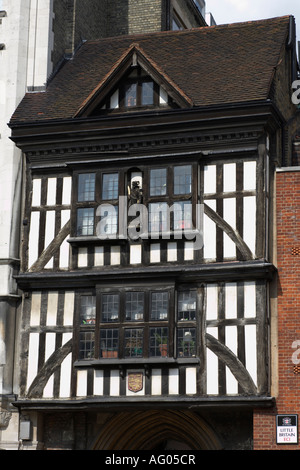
[
  {"x": 65, "y": 377},
  {"x": 33, "y": 238},
  {"x": 50, "y": 228},
  {"x": 163, "y": 96},
  {"x": 209, "y": 233},
  {"x": 114, "y": 100},
  {"x": 155, "y": 253},
  {"x": 98, "y": 382},
  {"x": 49, "y": 349},
  {"x": 114, "y": 383},
  {"x": 156, "y": 382},
  {"x": 48, "y": 389},
  {"x": 210, "y": 180},
  {"x": 250, "y": 299},
  {"x": 81, "y": 390},
  {"x": 191, "y": 380},
  {"x": 212, "y": 364},
  {"x": 229, "y": 215},
  {"x": 231, "y": 338},
  {"x": 67, "y": 188},
  {"x": 229, "y": 177},
  {"x": 249, "y": 176},
  {"x": 135, "y": 254},
  {"x": 231, "y": 383},
  {"x": 230, "y": 300},
  {"x": 64, "y": 251},
  {"x": 69, "y": 308},
  {"x": 35, "y": 313},
  {"x": 51, "y": 192},
  {"x": 212, "y": 302},
  {"x": 50, "y": 345},
  {"x": 115, "y": 255},
  {"x": 33, "y": 355},
  {"x": 52, "y": 309},
  {"x": 188, "y": 251},
  {"x": 250, "y": 351},
  {"x": 36, "y": 192},
  {"x": 172, "y": 252},
  {"x": 99, "y": 256},
  {"x": 250, "y": 222},
  {"x": 231, "y": 343},
  {"x": 82, "y": 257},
  {"x": 173, "y": 381}
]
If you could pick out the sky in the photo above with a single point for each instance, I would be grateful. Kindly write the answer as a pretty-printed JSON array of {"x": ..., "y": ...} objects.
[{"x": 233, "y": 11}]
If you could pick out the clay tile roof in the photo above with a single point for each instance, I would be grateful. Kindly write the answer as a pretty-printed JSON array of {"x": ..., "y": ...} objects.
[{"x": 211, "y": 65}]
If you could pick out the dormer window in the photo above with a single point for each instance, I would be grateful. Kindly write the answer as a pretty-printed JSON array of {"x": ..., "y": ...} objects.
[
  {"x": 137, "y": 90},
  {"x": 134, "y": 83}
]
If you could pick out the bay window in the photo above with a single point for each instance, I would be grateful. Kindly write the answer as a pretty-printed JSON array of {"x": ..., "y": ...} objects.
[
  {"x": 168, "y": 194},
  {"x": 138, "y": 322}
]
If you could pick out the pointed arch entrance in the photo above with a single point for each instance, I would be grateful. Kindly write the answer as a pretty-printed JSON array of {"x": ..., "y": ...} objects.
[{"x": 157, "y": 429}]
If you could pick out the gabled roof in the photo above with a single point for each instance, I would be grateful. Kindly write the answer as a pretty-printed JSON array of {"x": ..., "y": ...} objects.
[
  {"x": 205, "y": 66},
  {"x": 134, "y": 55}
]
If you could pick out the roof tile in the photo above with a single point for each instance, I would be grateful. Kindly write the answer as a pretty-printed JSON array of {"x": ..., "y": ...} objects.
[{"x": 211, "y": 65}]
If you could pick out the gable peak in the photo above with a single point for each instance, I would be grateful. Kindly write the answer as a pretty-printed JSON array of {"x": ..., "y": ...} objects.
[{"x": 132, "y": 60}]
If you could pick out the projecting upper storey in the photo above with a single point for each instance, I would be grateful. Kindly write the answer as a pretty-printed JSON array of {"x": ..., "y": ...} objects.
[
  {"x": 219, "y": 65},
  {"x": 191, "y": 106}
]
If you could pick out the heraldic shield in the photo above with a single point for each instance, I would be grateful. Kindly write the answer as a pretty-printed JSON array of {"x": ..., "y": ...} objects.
[{"x": 135, "y": 381}]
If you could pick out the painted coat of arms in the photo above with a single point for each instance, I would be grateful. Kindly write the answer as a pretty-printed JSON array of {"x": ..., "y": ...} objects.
[{"x": 135, "y": 381}]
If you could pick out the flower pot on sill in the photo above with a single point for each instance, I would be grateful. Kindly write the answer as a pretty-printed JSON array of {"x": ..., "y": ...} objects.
[
  {"x": 108, "y": 353},
  {"x": 163, "y": 350}
]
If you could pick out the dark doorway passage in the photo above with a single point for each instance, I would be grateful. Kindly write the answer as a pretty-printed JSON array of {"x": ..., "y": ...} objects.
[
  {"x": 157, "y": 430},
  {"x": 172, "y": 444}
]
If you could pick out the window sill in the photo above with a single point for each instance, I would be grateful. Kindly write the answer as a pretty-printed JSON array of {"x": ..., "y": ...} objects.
[
  {"x": 140, "y": 362},
  {"x": 184, "y": 234},
  {"x": 95, "y": 240}
]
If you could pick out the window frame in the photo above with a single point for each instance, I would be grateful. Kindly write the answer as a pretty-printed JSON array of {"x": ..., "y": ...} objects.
[
  {"x": 117, "y": 330},
  {"x": 188, "y": 323},
  {"x": 123, "y": 325},
  {"x": 138, "y": 80},
  {"x": 96, "y": 202},
  {"x": 169, "y": 198}
]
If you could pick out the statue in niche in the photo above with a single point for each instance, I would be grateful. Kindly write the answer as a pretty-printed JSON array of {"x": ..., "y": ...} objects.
[{"x": 135, "y": 193}]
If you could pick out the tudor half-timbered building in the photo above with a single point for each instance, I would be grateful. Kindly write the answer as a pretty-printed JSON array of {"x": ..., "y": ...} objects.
[{"x": 147, "y": 251}]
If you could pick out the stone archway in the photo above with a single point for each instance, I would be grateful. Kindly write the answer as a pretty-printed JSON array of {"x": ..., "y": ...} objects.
[{"x": 150, "y": 430}]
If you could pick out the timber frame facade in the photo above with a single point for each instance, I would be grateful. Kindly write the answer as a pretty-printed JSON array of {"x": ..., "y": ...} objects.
[{"x": 97, "y": 302}]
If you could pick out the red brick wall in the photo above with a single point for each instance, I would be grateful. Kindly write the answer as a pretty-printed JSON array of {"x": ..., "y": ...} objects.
[{"x": 288, "y": 263}]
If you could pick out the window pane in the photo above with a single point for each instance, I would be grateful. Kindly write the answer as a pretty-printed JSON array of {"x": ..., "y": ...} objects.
[
  {"x": 110, "y": 307},
  {"x": 186, "y": 342},
  {"x": 187, "y": 305},
  {"x": 159, "y": 220},
  {"x": 85, "y": 221},
  {"x": 158, "y": 342},
  {"x": 86, "y": 345},
  {"x": 159, "y": 305},
  {"x": 134, "y": 306},
  {"x": 88, "y": 310},
  {"x": 110, "y": 186},
  {"x": 158, "y": 182},
  {"x": 109, "y": 342},
  {"x": 182, "y": 211},
  {"x": 182, "y": 179},
  {"x": 86, "y": 187},
  {"x": 130, "y": 94},
  {"x": 108, "y": 220},
  {"x": 133, "y": 342},
  {"x": 147, "y": 93}
]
